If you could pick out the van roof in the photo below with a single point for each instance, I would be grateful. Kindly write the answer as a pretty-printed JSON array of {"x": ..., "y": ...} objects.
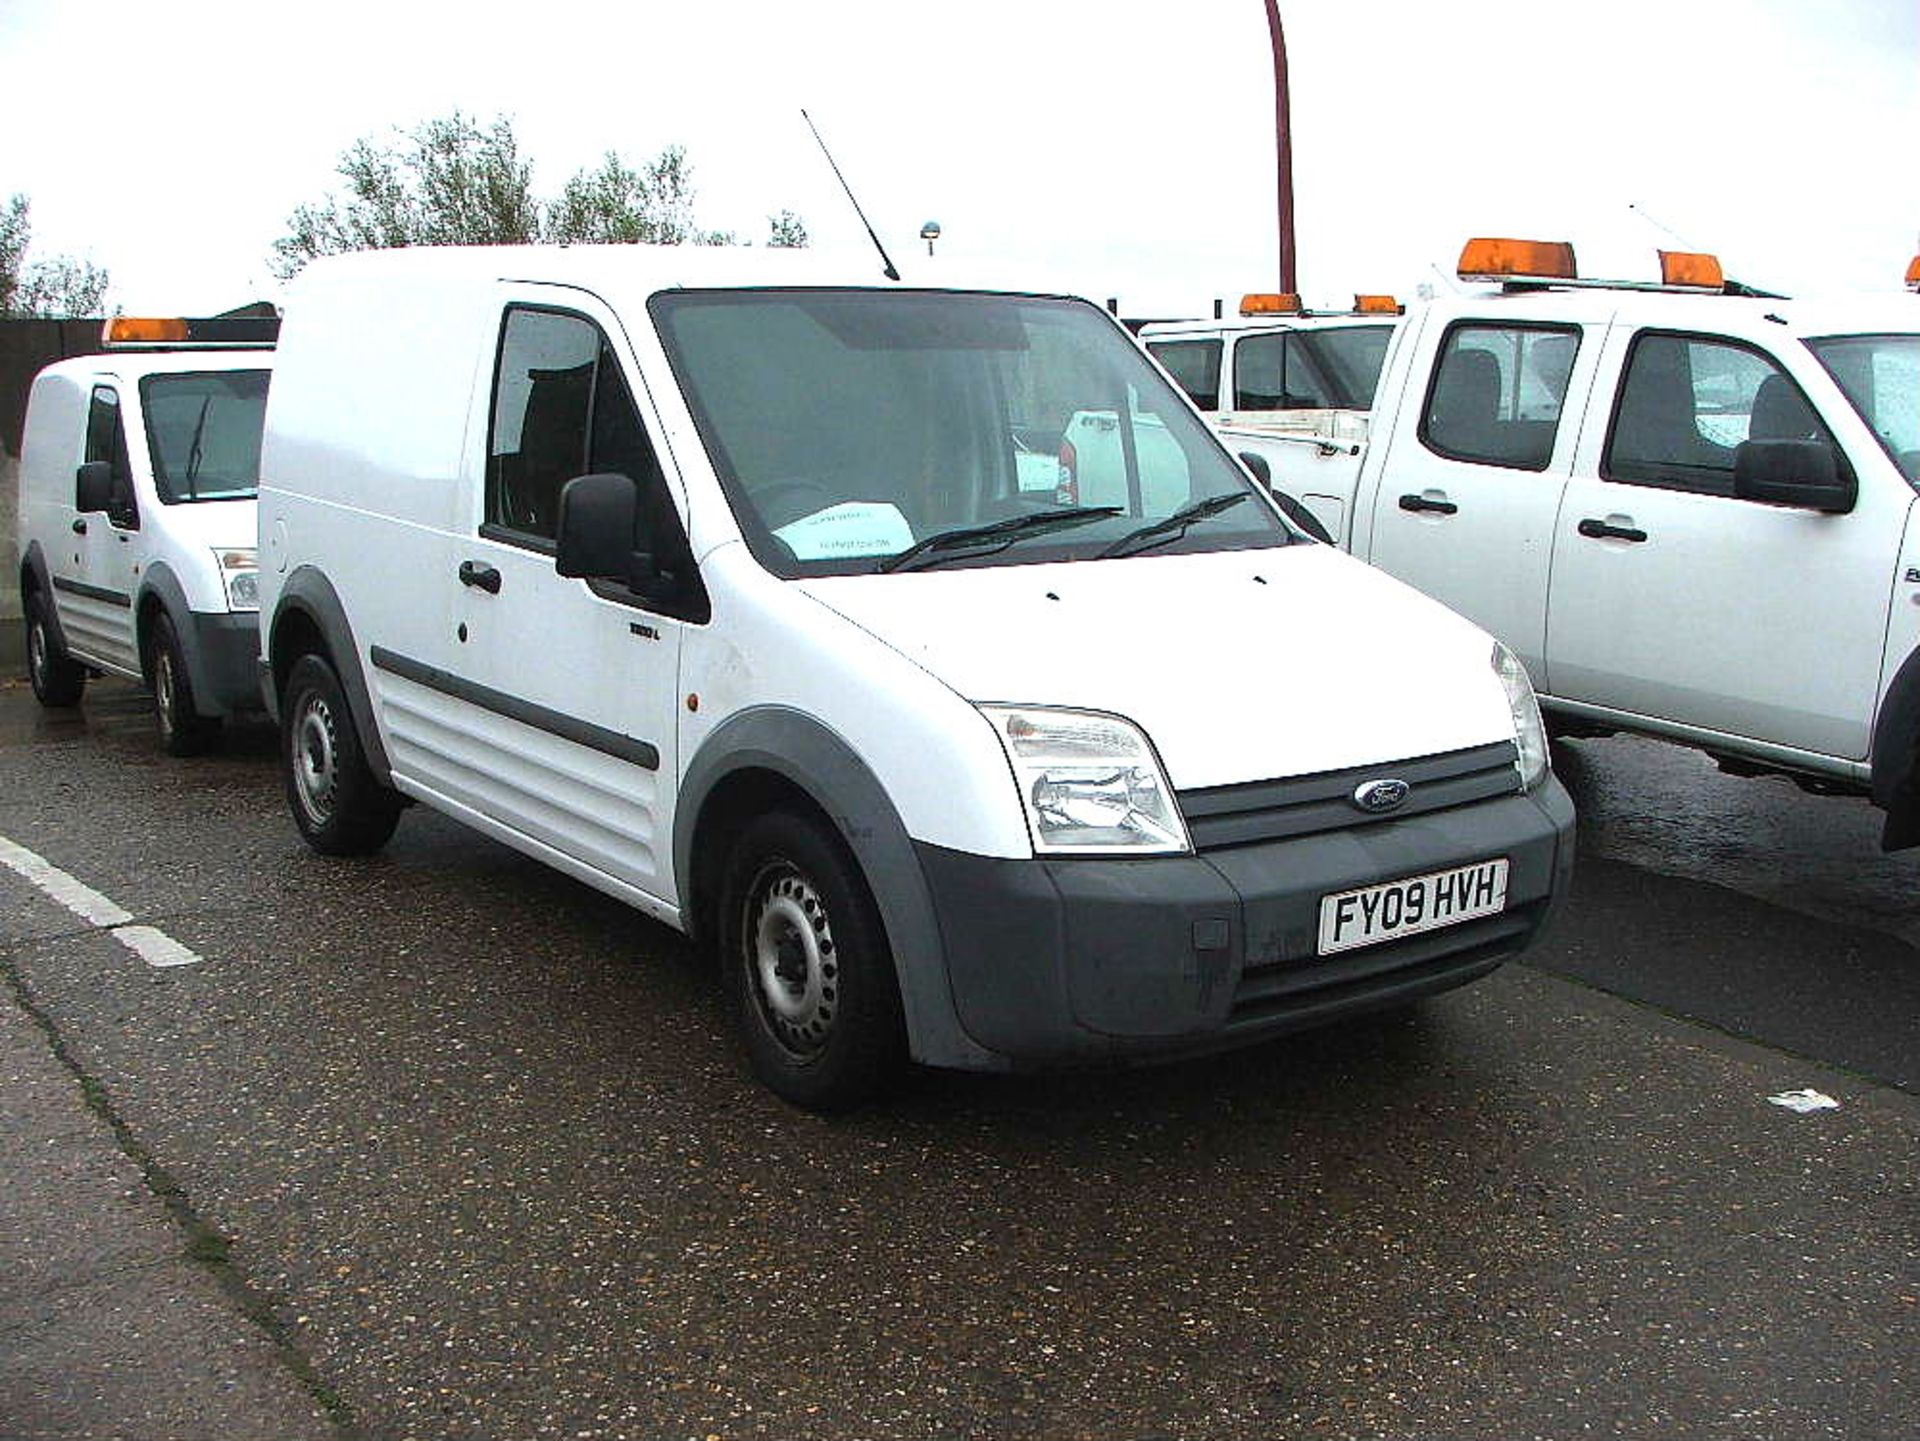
[
  {"x": 133, "y": 364},
  {"x": 650, "y": 268}
]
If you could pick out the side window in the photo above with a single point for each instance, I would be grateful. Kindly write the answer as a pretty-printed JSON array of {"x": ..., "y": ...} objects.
[
  {"x": 1686, "y": 403},
  {"x": 560, "y": 409},
  {"x": 1498, "y": 392},
  {"x": 107, "y": 440},
  {"x": 1195, "y": 366},
  {"x": 1336, "y": 368}
]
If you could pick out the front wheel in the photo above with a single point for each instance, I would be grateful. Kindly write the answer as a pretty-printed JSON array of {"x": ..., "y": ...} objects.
[
  {"x": 338, "y": 803},
  {"x": 57, "y": 678},
  {"x": 183, "y": 730},
  {"x": 807, "y": 966}
]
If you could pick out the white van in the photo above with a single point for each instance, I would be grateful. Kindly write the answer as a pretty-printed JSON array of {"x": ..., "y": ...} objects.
[
  {"x": 136, "y": 530},
  {"x": 707, "y": 576}
]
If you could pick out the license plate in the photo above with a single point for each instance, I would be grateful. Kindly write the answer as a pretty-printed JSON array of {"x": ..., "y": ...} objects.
[{"x": 1386, "y": 912}]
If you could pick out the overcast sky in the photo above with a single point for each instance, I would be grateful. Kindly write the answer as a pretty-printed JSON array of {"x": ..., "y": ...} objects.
[{"x": 1099, "y": 146}]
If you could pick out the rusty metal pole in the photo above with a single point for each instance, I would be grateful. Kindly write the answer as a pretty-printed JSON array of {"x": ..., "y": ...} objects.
[{"x": 1283, "y": 134}]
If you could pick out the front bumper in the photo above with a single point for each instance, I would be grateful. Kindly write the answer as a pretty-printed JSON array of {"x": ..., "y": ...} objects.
[
  {"x": 222, "y": 661},
  {"x": 1059, "y": 960}
]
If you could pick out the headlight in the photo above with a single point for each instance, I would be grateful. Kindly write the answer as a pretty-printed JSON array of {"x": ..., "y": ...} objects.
[
  {"x": 1090, "y": 783},
  {"x": 240, "y": 571},
  {"x": 1529, "y": 735}
]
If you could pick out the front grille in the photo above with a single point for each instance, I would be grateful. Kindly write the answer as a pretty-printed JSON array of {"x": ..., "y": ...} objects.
[{"x": 1220, "y": 817}]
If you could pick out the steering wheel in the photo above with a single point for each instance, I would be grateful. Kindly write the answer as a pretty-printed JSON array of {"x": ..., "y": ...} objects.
[{"x": 787, "y": 499}]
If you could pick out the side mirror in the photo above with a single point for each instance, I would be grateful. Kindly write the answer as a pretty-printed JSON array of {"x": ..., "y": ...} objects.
[
  {"x": 93, "y": 487},
  {"x": 596, "y": 532},
  {"x": 1293, "y": 509},
  {"x": 1802, "y": 473}
]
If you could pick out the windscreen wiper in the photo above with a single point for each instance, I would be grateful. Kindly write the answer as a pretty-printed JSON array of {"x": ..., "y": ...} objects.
[
  {"x": 1176, "y": 524},
  {"x": 194, "y": 454},
  {"x": 937, "y": 547}
]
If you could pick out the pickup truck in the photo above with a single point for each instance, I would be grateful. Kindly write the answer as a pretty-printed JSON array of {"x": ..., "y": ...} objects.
[
  {"x": 1688, "y": 507},
  {"x": 1284, "y": 383}
]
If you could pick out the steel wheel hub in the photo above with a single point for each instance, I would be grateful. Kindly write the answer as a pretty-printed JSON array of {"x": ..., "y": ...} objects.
[{"x": 795, "y": 964}]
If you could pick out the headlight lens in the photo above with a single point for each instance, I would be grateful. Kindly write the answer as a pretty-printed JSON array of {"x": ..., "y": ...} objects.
[
  {"x": 1090, "y": 783},
  {"x": 1529, "y": 734},
  {"x": 240, "y": 570}
]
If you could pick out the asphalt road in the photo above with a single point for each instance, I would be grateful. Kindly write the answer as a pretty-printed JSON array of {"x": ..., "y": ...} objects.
[{"x": 472, "y": 1147}]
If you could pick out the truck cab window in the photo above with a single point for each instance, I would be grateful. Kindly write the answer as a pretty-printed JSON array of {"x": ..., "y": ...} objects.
[
  {"x": 1687, "y": 402},
  {"x": 1337, "y": 368},
  {"x": 1195, "y": 367},
  {"x": 1497, "y": 394},
  {"x": 561, "y": 408}
]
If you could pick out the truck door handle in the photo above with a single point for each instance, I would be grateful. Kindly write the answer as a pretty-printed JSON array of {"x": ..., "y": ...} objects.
[
  {"x": 484, "y": 576},
  {"x": 1599, "y": 530},
  {"x": 79, "y": 527},
  {"x": 1422, "y": 502}
]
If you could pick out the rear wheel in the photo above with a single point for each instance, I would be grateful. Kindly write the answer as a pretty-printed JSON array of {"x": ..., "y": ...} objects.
[
  {"x": 183, "y": 730},
  {"x": 337, "y": 802},
  {"x": 807, "y": 966},
  {"x": 57, "y": 678}
]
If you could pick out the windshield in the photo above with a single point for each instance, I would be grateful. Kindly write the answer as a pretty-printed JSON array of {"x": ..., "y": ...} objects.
[
  {"x": 851, "y": 427},
  {"x": 203, "y": 430},
  {"x": 1881, "y": 376}
]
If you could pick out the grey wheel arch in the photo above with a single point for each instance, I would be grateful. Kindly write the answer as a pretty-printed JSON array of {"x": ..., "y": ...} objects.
[
  {"x": 781, "y": 749},
  {"x": 309, "y": 615},
  {"x": 160, "y": 590},
  {"x": 34, "y": 576}
]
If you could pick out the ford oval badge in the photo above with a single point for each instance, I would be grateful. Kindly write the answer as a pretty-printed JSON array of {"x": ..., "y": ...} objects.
[{"x": 1379, "y": 797}]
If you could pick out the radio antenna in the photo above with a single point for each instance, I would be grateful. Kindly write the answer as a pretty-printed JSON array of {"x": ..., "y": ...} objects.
[{"x": 885, "y": 260}]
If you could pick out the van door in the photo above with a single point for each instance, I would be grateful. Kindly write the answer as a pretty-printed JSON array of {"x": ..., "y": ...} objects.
[
  {"x": 95, "y": 596},
  {"x": 1672, "y": 599},
  {"x": 572, "y": 687},
  {"x": 1466, "y": 502}
]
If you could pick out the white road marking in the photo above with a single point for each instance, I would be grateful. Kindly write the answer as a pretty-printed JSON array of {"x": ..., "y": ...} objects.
[{"x": 155, "y": 947}]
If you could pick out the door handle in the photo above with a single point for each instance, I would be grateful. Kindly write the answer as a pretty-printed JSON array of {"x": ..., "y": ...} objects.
[
  {"x": 80, "y": 526},
  {"x": 484, "y": 576},
  {"x": 1599, "y": 530},
  {"x": 1427, "y": 503}
]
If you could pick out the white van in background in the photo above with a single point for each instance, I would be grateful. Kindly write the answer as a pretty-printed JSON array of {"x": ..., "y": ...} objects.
[
  {"x": 136, "y": 531},
  {"x": 717, "y": 579}
]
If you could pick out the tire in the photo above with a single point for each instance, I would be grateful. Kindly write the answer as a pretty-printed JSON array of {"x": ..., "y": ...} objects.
[
  {"x": 807, "y": 967},
  {"x": 338, "y": 804},
  {"x": 183, "y": 730},
  {"x": 58, "y": 679}
]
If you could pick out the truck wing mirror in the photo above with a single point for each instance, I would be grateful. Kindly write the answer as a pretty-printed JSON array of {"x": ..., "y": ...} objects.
[
  {"x": 597, "y": 534},
  {"x": 1803, "y": 473},
  {"x": 93, "y": 487},
  {"x": 1289, "y": 507}
]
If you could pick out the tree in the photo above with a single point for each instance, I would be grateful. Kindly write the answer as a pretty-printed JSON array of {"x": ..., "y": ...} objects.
[
  {"x": 616, "y": 205},
  {"x": 57, "y": 288},
  {"x": 451, "y": 183}
]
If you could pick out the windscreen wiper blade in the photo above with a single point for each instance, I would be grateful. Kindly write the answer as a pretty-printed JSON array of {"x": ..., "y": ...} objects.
[
  {"x": 941, "y": 544},
  {"x": 1176, "y": 524}
]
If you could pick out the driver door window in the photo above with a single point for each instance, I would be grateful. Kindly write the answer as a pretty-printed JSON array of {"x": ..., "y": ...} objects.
[
  {"x": 560, "y": 409},
  {"x": 107, "y": 441}
]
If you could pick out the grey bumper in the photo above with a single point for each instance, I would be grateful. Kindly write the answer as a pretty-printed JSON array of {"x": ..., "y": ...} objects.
[{"x": 1054, "y": 961}]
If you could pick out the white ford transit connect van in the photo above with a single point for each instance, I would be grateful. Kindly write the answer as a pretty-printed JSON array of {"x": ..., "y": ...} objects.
[
  {"x": 708, "y": 577},
  {"x": 137, "y": 531}
]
